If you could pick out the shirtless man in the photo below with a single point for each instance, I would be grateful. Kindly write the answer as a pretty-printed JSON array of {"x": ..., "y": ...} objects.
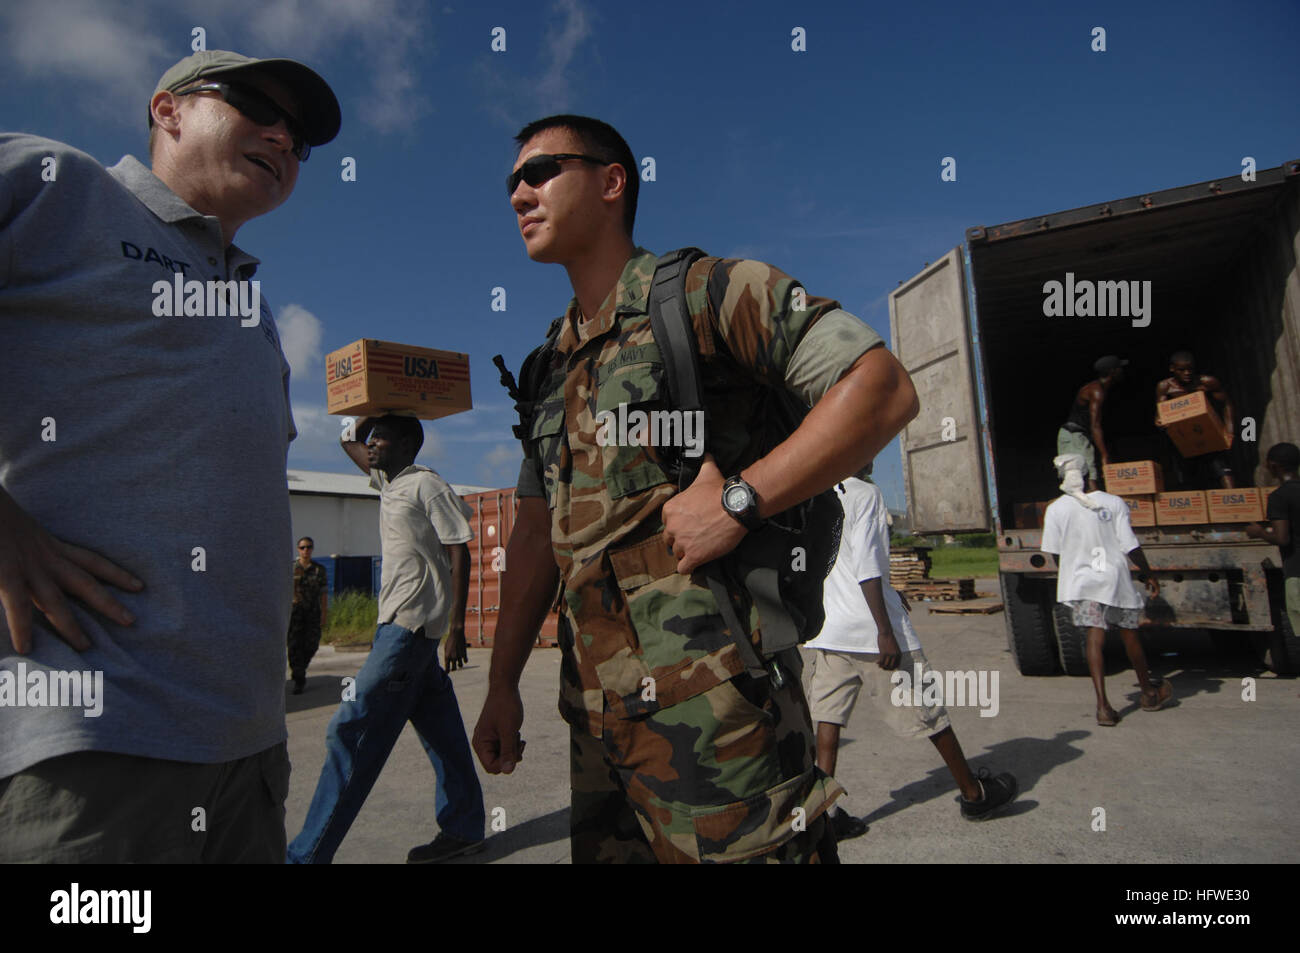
[
  {"x": 1184, "y": 379},
  {"x": 1081, "y": 432}
]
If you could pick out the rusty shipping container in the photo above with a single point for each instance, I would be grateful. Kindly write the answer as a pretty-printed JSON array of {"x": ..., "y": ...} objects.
[
  {"x": 1217, "y": 261},
  {"x": 492, "y": 522}
]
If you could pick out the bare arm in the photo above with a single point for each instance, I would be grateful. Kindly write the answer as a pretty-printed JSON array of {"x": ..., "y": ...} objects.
[
  {"x": 843, "y": 432},
  {"x": 874, "y": 592},
  {"x": 1096, "y": 400},
  {"x": 458, "y": 556},
  {"x": 527, "y": 587},
  {"x": 1278, "y": 532},
  {"x": 1140, "y": 560},
  {"x": 1161, "y": 389},
  {"x": 356, "y": 449},
  {"x": 1220, "y": 393}
]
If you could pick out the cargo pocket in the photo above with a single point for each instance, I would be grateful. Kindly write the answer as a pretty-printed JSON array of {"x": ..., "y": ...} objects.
[
  {"x": 760, "y": 824},
  {"x": 629, "y": 402},
  {"x": 547, "y": 439}
]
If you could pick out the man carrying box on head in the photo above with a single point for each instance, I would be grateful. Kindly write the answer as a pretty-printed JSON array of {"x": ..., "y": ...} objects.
[
  {"x": 1090, "y": 537},
  {"x": 1081, "y": 433},
  {"x": 423, "y": 531},
  {"x": 1197, "y": 473}
]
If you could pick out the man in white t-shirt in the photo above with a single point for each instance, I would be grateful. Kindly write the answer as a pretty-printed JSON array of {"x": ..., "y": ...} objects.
[
  {"x": 866, "y": 636},
  {"x": 423, "y": 531},
  {"x": 1090, "y": 536}
]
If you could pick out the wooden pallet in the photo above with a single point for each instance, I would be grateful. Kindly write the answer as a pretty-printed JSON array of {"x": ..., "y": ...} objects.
[{"x": 970, "y": 607}]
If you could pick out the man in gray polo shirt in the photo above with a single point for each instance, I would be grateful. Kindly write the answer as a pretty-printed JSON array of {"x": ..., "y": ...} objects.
[
  {"x": 143, "y": 447},
  {"x": 423, "y": 531}
]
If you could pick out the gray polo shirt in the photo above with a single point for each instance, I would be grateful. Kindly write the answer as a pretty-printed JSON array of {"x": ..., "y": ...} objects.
[
  {"x": 418, "y": 515},
  {"x": 159, "y": 442}
]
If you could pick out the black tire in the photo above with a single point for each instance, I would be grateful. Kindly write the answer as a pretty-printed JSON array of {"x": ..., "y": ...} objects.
[
  {"x": 1030, "y": 636},
  {"x": 1280, "y": 648},
  {"x": 1072, "y": 641}
]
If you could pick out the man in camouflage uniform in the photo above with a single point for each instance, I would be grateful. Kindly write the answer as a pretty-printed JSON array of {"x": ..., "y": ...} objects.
[
  {"x": 677, "y": 754},
  {"x": 307, "y": 617}
]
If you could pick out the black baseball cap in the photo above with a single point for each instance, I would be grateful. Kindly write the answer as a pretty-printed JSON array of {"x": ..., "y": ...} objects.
[{"x": 317, "y": 105}]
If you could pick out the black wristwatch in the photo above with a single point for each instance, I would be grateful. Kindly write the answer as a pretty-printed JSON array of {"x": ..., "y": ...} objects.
[{"x": 740, "y": 500}]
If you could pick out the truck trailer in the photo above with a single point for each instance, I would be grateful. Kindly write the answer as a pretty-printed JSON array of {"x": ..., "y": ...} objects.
[{"x": 997, "y": 364}]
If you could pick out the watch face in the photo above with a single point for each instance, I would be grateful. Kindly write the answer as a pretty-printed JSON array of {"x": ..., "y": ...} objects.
[{"x": 736, "y": 498}]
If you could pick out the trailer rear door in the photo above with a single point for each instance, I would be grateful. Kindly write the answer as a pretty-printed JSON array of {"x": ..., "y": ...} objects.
[{"x": 943, "y": 464}]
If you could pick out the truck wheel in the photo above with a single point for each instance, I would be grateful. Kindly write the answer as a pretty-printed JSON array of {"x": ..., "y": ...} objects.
[
  {"x": 1073, "y": 641},
  {"x": 1279, "y": 650},
  {"x": 1028, "y": 605}
]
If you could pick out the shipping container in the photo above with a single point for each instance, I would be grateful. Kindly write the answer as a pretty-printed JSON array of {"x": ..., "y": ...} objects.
[
  {"x": 492, "y": 522},
  {"x": 997, "y": 373}
]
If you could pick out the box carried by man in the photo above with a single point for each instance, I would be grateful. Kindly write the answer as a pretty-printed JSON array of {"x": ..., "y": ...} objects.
[
  {"x": 373, "y": 377},
  {"x": 1193, "y": 425}
]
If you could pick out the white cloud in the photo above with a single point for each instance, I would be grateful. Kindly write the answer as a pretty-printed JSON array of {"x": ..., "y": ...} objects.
[
  {"x": 121, "y": 49},
  {"x": 562, "y": 42},
  {"x": 514, "y": 98},
  {"x": 300, "y": 337},
  {"x": 112, "y": 46}
]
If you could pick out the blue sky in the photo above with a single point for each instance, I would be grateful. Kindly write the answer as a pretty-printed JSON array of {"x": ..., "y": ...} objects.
[{"x": 824, "y": 162}]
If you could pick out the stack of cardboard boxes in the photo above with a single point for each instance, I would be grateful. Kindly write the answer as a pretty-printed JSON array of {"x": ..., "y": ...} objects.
[{"x": 1141, "y": 484}]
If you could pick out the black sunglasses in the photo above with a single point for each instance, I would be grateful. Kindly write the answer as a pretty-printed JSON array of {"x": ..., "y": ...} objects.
[
  {"x": 543, "y": 168},
  {"x": 260, "y": 108}
]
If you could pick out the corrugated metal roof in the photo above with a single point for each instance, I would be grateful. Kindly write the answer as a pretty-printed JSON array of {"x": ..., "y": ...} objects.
[{"x": 350, "y": 484}]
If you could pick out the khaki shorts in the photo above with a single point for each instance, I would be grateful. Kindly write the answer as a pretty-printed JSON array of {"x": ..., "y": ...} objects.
[
  {"x": 837, "y": 677},
  {"x": 1067, "y": 441},
  {"x": 102, "y": 808}
]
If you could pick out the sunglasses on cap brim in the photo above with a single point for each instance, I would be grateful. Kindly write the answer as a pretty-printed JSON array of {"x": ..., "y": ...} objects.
[
  {"x": 260, "y": 108},
  {"x": 543, "y": 168}
]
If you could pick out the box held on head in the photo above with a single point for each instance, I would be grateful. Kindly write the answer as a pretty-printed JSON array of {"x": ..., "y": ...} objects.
[
  {"x": 1177, "y": 509},
  {"x": 1240, "y": 505},
  {"x": 373, "y": 377},
  {"x": 1193, "y": 425},
  {"x": 1135, "y": 478}
]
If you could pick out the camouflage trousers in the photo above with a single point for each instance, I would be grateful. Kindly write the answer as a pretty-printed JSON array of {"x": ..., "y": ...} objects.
[
  {"x": 726, "y": 776},
  {"x": 304, "y": 637}
]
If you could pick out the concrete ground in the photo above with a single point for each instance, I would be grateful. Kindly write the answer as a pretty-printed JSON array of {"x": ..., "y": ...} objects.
[{"x": 1208, "y": 780}]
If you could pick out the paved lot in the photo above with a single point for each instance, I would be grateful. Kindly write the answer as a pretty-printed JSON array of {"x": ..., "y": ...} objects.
[{"x": 1209, "y": 780}]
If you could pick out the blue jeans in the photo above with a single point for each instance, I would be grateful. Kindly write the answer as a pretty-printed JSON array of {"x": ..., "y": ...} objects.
[{"x": 401, "y": 681}]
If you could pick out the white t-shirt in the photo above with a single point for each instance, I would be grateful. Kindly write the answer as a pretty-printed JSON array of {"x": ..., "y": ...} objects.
[
  {"x": 418, "y": 514},
  {"x": 1093, "y": 546},
  {"x": 863, "y": 555}
]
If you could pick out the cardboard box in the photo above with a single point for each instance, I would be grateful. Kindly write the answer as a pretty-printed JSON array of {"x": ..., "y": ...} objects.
[
  {"x": 1141, "y": 510},
  {"x": 1241, "y": 505},
  {"x": 1176, "y": 509},
  {"x": 1135, "y": 478},
  {"x": 1193, "y": 424},
  {"x": 372, "y": 377},
  {"x": 1264, "y": 493},
  {"x": 1029, "y": 515}
]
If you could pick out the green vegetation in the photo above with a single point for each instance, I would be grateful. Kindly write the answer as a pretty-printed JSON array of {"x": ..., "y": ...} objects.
[
  {"x": 352, "y": 618},
  {"x": 961, "y": 562}
]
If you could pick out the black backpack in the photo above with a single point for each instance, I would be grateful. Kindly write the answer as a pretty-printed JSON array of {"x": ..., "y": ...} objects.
[{"x": 781, "y": 567}]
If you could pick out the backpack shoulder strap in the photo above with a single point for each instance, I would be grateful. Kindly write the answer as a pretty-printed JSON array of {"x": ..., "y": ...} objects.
[{"x": 670, "y": 322}]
